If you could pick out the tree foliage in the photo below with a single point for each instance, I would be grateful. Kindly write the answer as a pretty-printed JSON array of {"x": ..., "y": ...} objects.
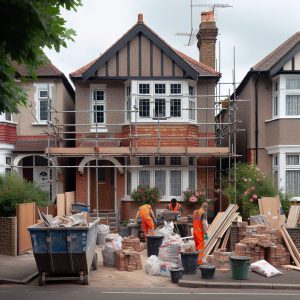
[{"x": 26, "y": 28}]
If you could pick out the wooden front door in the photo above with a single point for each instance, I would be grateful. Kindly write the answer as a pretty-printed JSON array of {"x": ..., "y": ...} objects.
[{"x": 106, "y": 186}]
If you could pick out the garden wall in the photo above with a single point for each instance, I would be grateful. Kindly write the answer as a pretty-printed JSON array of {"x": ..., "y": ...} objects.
[{"x": 8, "y": 236}]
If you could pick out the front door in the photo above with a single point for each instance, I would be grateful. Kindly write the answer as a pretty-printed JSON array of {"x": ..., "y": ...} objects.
[{"x": 106, "y": 186}]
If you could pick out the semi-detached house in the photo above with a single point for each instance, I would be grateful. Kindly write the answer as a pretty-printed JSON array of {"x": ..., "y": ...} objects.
[{"x": 139, "y": 122}]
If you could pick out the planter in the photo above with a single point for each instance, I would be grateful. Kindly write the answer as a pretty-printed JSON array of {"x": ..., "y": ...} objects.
[
  {"x": 240, "y": 267},
  {"x": 176, "y": 274},
  {"x": 153, "y": 244}
]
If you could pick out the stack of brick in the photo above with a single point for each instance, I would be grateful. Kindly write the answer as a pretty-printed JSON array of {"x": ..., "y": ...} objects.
[
  {"x": 132, "y": 242},
  {"x": 261, "y": 242},
  {"x": 128, "y": 260},
  {"x": 220, "y": 259}
]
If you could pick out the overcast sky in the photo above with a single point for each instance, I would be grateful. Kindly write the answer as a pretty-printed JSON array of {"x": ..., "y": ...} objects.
[{"x": 253, "y": 27}]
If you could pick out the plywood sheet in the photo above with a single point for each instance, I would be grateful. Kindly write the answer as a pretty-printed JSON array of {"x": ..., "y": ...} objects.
[
  {"x": 69, "y": 200},
  {"x": 61, "y": 205},
  {"x": 25, "y": 218},
  {"x": 293, "y": 216}
]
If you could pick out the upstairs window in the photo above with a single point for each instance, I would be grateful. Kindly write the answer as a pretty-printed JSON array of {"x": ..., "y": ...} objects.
[
  {"x": 160, "y": 161},
  {"x": 144, "y": 161},
  {"x": 159, "y": 88},
  {"x": 293, "y": 84},
  {"x": 293, "y": 105},
  {"x": 144, "y": 89},
  {"x": 144, "y": 107},
  {"x": 175, "y": 161},
  {"x": 98, "y": 106},
  {"x": 292, "y": 160},
  {"x": 43, "y": 105},
  {"x": 191, "y": 91}
]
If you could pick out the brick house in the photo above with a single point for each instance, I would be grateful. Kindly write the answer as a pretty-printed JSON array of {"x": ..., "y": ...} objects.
[
  {"x": 137, "y": 121},
  {"x": 272, "y": 115},
  {"x": 24, "y": 136}
]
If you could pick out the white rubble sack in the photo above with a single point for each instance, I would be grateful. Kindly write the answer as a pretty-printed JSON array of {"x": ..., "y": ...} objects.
[
  {"x": 152, "y": 266},
  {"x": 264, "y": 268}
]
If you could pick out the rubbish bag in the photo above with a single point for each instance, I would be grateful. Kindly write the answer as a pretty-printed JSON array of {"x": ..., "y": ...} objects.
[
  {"x": 152, "y": 266},
  {"x": 264, "y": 268},
  {"x": 167, "y": 229},
  {"x": 169, "y": 251},
  {"x": 114, "y": 240},
  {"x": 102, "y": 232}
]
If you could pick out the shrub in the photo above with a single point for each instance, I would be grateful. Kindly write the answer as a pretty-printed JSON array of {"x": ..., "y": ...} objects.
[
  {"x": 285, "y": 203},
  {"x": 193, "y": 199},
  {"x": 145, "y": 195},
  {"x": 251, "y": 184},
  {"x": 14, "y": 190}
]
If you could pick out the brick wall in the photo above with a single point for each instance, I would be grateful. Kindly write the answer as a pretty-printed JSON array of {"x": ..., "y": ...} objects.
[
  {"x": 81, "y": 187},
  {"x": 8, "y": 133},
  {"x": 8, "y": 236}
]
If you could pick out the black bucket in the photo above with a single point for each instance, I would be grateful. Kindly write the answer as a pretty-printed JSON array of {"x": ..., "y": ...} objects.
[
  {"x": 189, "y": 262},
  {"x": 207, "y": 271},
  {"x": 153, "y": 244},
  {"x": 176, "y": 274}
]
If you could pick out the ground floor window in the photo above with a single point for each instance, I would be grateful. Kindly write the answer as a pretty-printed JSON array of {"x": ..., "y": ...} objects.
[{"x": 293, "y": 182}]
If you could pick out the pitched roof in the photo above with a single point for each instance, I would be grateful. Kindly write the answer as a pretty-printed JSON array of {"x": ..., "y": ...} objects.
[
  {"x": 47, "y": 70},
  {"x": 276, "y": 55},
  {"x": 187, "y": 63}
]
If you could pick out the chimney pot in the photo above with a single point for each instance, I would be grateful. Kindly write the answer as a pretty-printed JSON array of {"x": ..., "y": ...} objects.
[
  {"x": 207, "y": 16},
  {"x": 140, "y": 18}
]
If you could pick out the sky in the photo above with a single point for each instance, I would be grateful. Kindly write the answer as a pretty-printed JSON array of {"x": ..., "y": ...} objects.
[{"x": 250, "y": 29}]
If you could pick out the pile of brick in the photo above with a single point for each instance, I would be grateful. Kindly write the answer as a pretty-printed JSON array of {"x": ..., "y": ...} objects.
[
  {"x": 220, "y": 259},
  {"x": 132, "y": 242},
  {"x": 128, "y": 260},
  {"x": 261, "y": 242}
]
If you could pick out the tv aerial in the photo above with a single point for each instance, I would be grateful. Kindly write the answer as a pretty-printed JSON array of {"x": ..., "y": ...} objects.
[{"x": 192, "y": 35}]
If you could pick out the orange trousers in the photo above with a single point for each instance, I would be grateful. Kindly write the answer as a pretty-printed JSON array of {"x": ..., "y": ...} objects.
[
  {"x": 199, "y": 244},
  {"x": 148, "y": 226}
]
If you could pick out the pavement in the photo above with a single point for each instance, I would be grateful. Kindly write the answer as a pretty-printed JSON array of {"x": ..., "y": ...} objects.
[{"x": 22, "y": 269}]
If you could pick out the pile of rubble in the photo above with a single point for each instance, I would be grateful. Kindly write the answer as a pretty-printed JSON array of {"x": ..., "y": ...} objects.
[
  {"x": 128, "y": 260},
  {"x": 220, "y": 259}
]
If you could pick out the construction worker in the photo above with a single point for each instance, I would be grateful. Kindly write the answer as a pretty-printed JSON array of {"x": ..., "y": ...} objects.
[
  {"x": 200, "y": 229},
  {"x": 145, "y": 212},
  {"x": 175, "y": 206}
]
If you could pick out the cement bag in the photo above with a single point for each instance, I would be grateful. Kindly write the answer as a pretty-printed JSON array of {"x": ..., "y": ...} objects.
[
  {"x": 169, "y": 251},
  {"x": 152, "y": 266},
  {"x": 108, "y": 255},
  {"x": 165, "y": 268},
  {"x": 102, "y": 232},
  {"x": 167, "y": 229},
  {"x": 264, "y": 268}
]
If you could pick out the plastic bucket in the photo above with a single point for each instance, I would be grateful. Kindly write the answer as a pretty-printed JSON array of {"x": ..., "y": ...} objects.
[
  {"x": 189, "y": 262},
  {"x": 153, "y": 244},
  {"x": 133, "y": 229},
  {"x": 176, "y": 274},
  {"x": 240, "y": 267},
  {"x": 207, "y": 271}
]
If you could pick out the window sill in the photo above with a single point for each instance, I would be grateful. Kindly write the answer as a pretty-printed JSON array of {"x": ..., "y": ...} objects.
[
  {"x": 39, "y": 124},
  {"x": 99, "y": 129},
  {"x": 164, "y": 199},
  {"x": 283, "y": 118}
]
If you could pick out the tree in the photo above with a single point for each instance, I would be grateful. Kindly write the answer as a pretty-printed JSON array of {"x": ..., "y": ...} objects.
[{"x": 26, "y": 27}]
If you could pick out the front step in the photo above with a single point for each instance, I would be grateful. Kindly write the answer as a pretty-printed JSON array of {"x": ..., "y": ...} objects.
[{"x": 107, "y": 218}]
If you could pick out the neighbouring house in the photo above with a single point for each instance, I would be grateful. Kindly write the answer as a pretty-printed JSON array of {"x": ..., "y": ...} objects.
[
  {"x": 26, "y": 135},
  {"x": 271, "y": 115},
  {"x": 142, "y": 118}
]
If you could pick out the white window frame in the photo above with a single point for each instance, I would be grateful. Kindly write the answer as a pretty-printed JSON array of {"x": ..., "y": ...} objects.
[{"x": 98, "y": 126}]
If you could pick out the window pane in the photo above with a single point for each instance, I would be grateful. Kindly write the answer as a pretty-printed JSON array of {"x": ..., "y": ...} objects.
[
  {"x": 144, "y": 108},
  {"x": 128, "y": 182},
  {"x": 144, "y": 178},
  {"x": 175, "y": 161},
  {"x": 192, "y": 180},
  {"x": 44, "y": 94},
  {"x": 293, "y": 84},
  {"x": 175, "y": 183},
  {"x": 192, "y": 112},
  {"x": 275, "y": 160},
  {"x": 144, "y": 88},
  {"x": 160, "y": 88},
  {"x": 160, "y": 182},
  {"x": 191, "y": 161},
  {"x": 275, "y": 179},
  {"x": 175, "y": 88},
  {"x": 175, "y": 108},
  {"x": 43, "y": 110},
  {"x": 275, "y": 106},
  {"x": 98, "y": 95},
  {"x": 160, "y": 161},
  {"x": 128, "y": 107},
  {"x": 8, "y": 116},
  {"x": 293, "y": 105},
  {"x": 292, "y": 160},
  {"x": 160, "y": 108},
  {"x": 98, "y": 113},
  {"x": 128, "y": 90},
  {"x": 191, "y": 90},
  {"x": 293, "y": 182},
  {"x": 144, "y": 160}
]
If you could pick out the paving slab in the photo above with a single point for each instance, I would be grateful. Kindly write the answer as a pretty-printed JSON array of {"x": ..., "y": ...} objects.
[
  {"x": 289, "y": 280},
  {"x": 17, "y": 269}
]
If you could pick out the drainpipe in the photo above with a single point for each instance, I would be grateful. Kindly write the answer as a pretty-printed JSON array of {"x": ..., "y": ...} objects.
[{"x": 256, "y": 119}]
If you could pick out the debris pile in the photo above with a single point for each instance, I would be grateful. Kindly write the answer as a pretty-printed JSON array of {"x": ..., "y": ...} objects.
[{"x": 76, "y": 220}]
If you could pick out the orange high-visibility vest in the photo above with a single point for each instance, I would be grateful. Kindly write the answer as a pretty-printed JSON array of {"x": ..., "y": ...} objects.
[
  {"x": 144, "y": 211},
  {"x": 197, "y": 223},
  {"x": 176, "y": 208}
]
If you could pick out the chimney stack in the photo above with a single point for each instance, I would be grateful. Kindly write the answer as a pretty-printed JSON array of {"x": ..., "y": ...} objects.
[
  {"x": 207, "y": 36},
  {"x": 140, "y": 18}
]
